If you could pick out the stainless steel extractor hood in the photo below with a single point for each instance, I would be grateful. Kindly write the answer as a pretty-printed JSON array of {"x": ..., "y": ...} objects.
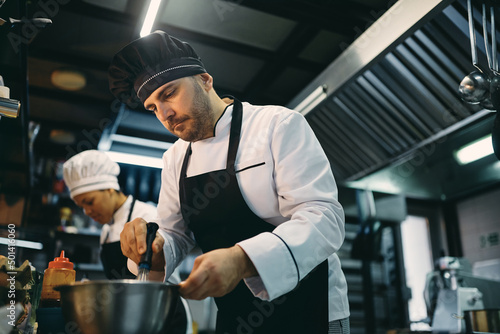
[{"x": 391, "y": 102}]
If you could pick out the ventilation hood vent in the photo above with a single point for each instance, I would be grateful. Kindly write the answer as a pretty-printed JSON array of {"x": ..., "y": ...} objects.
[{"x": 384, "y": 106}]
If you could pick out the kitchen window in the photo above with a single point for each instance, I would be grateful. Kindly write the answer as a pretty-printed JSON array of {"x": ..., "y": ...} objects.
[{"x": 418, "y": 263}]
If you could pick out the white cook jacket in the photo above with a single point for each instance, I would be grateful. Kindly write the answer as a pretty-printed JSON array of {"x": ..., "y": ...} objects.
[
  {"x": 286, "y": 180},
  {"x": 111, "y": 232}
]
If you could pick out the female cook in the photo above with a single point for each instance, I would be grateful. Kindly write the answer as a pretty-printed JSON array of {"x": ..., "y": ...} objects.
[{"x": 92, "y": 179}]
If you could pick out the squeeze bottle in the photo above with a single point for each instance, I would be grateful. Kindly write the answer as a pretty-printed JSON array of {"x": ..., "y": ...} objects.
[{"x": 59, "y": 272}]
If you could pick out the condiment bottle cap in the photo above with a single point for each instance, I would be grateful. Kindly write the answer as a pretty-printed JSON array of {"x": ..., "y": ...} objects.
[{"x": 61, "y": 262}]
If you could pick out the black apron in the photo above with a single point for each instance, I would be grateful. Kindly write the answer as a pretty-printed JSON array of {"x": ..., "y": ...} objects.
[
  {"x": 214, "y": 209},
  {"x": 112, "y": 258}
]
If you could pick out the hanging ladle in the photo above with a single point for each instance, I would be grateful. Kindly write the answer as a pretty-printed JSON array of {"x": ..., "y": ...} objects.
[
  {"x": 495, "y": 101},
  {"x": 494, "y": 89},
  {"x": 475, "y": 87},
  {"x": 491, "y": 102}
]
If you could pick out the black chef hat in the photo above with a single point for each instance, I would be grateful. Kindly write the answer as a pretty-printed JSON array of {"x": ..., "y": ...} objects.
[{"x": 148, "y": 63}]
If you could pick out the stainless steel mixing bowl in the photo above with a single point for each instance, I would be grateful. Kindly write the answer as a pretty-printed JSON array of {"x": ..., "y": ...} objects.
[{"x": 118, "y": 306}]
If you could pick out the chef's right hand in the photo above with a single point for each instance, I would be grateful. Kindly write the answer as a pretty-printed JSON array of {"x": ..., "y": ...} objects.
[{"x": 133, "y": 243}]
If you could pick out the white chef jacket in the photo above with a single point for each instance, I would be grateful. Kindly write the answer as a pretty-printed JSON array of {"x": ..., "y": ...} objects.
[
  {"x": 285, "y": 178},
  {"x": 111, "y": 232}
]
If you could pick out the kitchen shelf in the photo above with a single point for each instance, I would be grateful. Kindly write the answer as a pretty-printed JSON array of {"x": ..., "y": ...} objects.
[
  {"x": 79, "y": 231},
  {"x": 89, "y": 266}
]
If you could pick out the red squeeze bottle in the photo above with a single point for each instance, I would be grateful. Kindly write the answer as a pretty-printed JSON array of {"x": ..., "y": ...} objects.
[{"x": 59, "y": 272}]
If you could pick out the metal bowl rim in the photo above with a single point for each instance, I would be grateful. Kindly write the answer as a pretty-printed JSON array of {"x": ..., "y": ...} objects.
[{"x": 128, "y": 282}]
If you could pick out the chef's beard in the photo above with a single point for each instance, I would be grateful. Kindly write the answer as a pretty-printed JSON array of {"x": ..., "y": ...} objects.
[{"x": 201, "y": 116}]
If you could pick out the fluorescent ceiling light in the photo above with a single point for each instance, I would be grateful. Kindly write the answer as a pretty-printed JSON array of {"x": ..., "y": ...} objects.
[
  {"x": 376, "y": 183},
  {"x": 318, "y": 95},
  {"x": 154, "y": 5},
  {"x": 141, "y": 142},
  {"x": 474, "y": 151},
  {"x": 134, "y": 159},
  {"x": 21, "y": 243}
]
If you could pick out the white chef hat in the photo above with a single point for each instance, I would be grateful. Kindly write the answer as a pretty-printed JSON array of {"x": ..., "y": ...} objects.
[{"x": 89, "y": 171}]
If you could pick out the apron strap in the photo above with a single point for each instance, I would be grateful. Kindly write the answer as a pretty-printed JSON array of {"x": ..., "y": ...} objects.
[
  {"x": 182, "y": 189},
  {"x": 131, "y": 209},
  {"x": 128, "y": 219},
  {"x": 234, "y": 135}
]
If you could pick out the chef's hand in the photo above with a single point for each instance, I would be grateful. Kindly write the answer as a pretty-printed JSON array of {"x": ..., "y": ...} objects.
[
  {"x": 217, "y": 273},
  {"x": 133, "y": 243}
]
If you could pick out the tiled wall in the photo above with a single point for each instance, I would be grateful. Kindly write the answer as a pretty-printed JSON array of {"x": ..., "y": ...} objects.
[{"x": 479, "y": 220}]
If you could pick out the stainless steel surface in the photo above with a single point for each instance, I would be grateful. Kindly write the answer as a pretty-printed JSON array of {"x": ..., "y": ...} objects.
[
  {"x": 451, "y": 291},
  {"x": 472, "y": 34},
  {"x": 451, "y": 304},
  {"x": 491, "y": 58},
  {"x": 143, "y": 274},
  {"x": 474, "y": 88},
  {"x": 397, "y": 23},
  {"x": 119, "y": 306},
  {"x": 382, "y": 129}
]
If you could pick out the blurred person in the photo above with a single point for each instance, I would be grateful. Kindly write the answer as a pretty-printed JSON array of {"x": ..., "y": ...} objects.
[{"x": 92, "y": 179}]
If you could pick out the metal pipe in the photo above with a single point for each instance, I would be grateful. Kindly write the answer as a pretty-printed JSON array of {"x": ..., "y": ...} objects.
[{"x": 472, "y": 34}]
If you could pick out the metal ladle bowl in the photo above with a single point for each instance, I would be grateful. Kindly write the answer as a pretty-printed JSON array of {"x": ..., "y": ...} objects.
[{"x": 474, "y": 88}]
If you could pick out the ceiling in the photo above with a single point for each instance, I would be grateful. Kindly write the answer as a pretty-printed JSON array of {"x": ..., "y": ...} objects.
[
  {"x": 376, "y": 117},
  {"x": 263, "y": 52}
]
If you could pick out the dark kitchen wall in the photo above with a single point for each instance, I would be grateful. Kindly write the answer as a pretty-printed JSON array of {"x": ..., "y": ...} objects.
[
  {"x": 479, "y": 223},
  {"x": 13, "y": 131}
]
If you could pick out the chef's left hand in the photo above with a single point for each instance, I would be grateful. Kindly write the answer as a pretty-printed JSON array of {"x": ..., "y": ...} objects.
[{"x": 217, "y": 273}]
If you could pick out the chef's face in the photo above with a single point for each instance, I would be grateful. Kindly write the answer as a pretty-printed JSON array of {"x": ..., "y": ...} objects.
[
  {"x": 183, "y": 107},
  {"x": 98, "y": 205}
]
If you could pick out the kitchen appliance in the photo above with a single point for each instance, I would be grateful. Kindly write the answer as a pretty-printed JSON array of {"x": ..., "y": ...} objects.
[
  {"x": 452, "y": 292},
  {"x": 8, "y": 107},
  {"x": 119, "y": 306},
  {"x": 482, "y": 321}
]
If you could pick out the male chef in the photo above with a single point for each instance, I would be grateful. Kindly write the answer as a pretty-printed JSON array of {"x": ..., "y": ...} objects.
[{"x": 250, "y": 185}]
